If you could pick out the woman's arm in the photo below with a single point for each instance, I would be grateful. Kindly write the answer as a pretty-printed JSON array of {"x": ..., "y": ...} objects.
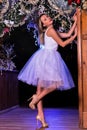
[
  {"x": 68, "y": 34},
  {"x": 52, "y": 33},
  {"x": 41, "y": 38}
]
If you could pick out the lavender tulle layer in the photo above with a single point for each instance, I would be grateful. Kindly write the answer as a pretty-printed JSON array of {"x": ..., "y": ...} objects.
[{"x": 46, "y": 68}]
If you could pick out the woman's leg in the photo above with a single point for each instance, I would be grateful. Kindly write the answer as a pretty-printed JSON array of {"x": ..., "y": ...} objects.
[
  {"x": 40, "y": 115},
  {"x": 40, "y": 103},
  {"x": 37, "y": 98},
  {"x": 44, "y": 92}
]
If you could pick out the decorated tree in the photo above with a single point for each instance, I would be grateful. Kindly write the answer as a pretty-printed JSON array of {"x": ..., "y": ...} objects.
[{"x": 15, "y": 13}]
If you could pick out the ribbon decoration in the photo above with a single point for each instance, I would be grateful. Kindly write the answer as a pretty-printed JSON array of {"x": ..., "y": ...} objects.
[{"x": 76, "y": 1}]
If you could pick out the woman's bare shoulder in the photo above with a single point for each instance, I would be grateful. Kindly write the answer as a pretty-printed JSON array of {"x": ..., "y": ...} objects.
[{"x": 51, "y": 31}]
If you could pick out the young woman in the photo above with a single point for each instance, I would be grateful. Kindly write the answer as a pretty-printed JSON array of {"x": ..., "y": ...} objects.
[{"x": 46, "y": 68}]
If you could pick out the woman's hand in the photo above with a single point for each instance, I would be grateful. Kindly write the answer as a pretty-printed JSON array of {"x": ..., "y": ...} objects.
[
  {"x": 75, "y": 17},
  {"x": 78, "y": 11}
]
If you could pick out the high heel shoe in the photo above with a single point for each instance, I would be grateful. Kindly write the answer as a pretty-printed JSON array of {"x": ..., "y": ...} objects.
[
  {"x": 44, "y": 124},
  {"x": 33, "y": 102}
]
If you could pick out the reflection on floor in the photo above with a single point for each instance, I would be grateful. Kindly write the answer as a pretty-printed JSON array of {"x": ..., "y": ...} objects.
[{"x": 24, "y": 119}]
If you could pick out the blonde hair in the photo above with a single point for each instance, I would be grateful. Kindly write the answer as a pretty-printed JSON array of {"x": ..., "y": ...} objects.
[{"x": 41, "y": 29}]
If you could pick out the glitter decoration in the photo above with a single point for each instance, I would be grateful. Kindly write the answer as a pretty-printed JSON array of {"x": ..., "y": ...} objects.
[{"x": 14, "y": 13}]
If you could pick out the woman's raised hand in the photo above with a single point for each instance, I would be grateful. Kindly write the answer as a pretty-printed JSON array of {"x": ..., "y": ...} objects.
[
  {"x": 78, "y": 11},
  {"x": 75, "y": 17}
]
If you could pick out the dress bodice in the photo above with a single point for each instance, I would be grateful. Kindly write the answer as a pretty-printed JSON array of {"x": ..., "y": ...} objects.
[{"x": 50, "y": 43}]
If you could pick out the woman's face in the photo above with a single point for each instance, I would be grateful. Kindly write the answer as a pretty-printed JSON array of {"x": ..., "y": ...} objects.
[{"x": 46, "y": 20}]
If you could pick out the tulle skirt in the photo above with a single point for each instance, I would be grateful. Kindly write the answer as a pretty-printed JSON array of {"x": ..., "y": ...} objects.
[{"x": 46, "y": 68}]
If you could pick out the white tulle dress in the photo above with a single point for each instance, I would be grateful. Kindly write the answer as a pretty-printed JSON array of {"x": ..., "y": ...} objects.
[{"x": 46, "y": 68}]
